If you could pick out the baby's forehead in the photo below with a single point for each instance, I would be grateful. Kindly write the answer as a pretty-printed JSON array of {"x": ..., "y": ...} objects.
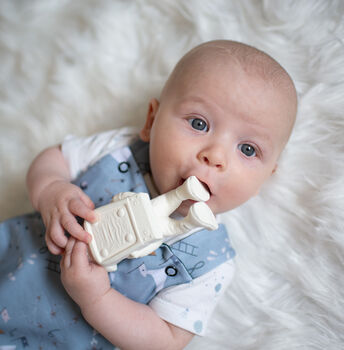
[
  {"x": 226, "y": 72},
  {"x": 213, "y": 59}
]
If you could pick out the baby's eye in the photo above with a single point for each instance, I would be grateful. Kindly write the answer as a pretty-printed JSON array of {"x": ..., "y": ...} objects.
[
  {"x": 198, "y": 124},
  {"x": 247, "y": 149}
]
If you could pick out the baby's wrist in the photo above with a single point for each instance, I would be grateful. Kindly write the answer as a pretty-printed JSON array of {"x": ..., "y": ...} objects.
[
  {"x": 94, "y": 306},
  {"x": 44, "y": 194}
]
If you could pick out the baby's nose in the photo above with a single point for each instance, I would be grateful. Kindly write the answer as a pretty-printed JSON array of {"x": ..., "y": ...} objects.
[{"x": 213, "y": 157}]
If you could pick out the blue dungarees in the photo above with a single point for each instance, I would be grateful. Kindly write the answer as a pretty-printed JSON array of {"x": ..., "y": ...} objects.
[{"x": 36, "y": 312}]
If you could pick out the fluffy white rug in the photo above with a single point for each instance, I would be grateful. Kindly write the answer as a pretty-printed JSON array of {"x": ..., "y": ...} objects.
[{"x": 86, "y": 66}]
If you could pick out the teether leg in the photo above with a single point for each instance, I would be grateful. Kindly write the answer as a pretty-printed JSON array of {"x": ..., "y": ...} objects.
[{"x": 200, "y": 215}]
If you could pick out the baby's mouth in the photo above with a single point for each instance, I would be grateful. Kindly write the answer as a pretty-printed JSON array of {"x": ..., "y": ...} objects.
[
  {"x": 184, "y": 207},
  {"x": 206, "y": 187}
]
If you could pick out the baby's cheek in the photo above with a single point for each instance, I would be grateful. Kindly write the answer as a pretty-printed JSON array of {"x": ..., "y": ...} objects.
[
  {"x": 245, "y": 194},
  {"x": 232, "y": 199}
]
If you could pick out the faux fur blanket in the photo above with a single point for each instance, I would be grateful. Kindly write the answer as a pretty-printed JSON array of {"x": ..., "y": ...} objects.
[{"x": 84, "y": 66}]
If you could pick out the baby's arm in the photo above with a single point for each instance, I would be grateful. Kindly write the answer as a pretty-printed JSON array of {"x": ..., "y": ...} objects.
[
  {"x": 125, "y": 323},
  {"x": 51, "y": 193}
]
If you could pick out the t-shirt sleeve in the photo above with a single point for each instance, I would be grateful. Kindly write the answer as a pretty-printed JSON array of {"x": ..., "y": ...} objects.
[
  {"x": 190, "y": 305},
  {"x": 81, "y": 152}
]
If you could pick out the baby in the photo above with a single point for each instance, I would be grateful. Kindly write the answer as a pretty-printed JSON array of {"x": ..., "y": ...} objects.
[{"x": 224, "y": 115}]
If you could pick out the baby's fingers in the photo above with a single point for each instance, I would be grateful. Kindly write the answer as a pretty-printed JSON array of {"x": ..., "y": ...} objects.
[
  {"x": 68, "y": 221},
  {"x": 75, "y": 256},
  {"x": 53, "y": 248},
  {"x": 55, "y": 237},
  {"x": 79, "y": 208},
  {"x": 66, "y": 259},
  {"x": 80, "y": 257}
]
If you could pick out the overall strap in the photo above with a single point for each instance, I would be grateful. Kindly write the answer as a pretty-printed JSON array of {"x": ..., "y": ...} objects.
[{"x": 114, "y": 173}]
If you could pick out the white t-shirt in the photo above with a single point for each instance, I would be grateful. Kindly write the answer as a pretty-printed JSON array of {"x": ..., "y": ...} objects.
[{"x": 188, "y": 305}]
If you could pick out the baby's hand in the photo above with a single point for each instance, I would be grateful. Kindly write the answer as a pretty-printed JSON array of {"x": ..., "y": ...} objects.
[
  {"x": 59, "y": 203},
  {"x": 85, "y": 281}
]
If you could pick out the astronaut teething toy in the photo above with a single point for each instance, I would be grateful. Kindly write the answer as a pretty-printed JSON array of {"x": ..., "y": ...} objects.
[{"x": 132, "y": 225}]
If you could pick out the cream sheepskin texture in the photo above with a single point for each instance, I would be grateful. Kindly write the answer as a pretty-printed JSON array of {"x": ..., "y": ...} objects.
[{"x": 86, "y": 66}]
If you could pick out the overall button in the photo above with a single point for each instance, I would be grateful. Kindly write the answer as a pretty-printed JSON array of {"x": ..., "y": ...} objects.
[
  {"x": 171, "y": 271},
  {"x": 123, "y": 167}
]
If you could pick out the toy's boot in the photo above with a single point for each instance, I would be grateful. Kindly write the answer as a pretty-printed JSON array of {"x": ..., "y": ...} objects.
[{"x": 200, "y": 215}]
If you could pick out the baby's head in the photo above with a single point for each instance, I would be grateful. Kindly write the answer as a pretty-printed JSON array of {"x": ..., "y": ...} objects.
[{"x": 224, "y": 115}]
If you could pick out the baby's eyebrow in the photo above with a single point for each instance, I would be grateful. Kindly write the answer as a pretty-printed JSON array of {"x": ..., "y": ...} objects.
[
  {"x": 190, "y": 101},
  {"x": 264, "y": 135}
]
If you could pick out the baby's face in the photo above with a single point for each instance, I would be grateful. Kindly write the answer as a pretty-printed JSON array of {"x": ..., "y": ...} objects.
[{"x": 224, "y": 127}]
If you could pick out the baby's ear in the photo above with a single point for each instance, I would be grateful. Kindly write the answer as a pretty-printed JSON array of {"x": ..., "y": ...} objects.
[
  {"x": 151, "y": 113},
  {"x": 274, "y": 169},
  {"x": 272, "y": 172}
]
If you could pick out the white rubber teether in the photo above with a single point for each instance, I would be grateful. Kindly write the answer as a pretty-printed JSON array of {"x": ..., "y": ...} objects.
[{"x": 132, "y": 225}]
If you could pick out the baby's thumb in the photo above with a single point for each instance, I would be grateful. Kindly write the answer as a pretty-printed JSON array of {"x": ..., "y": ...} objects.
[{"x": 80, "y": 256}]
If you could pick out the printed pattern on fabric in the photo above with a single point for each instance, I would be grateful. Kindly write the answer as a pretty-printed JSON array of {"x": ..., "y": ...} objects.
[
  {"x": 203, "y": 252},
  {"x": 36, "y": 312}
]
